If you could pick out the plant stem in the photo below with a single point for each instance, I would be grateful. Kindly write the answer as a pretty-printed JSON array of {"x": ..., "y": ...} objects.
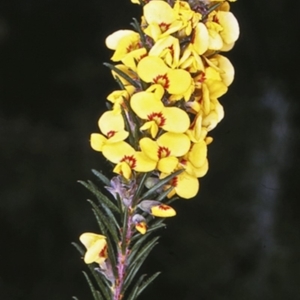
[{"x": 122, "y": 259}]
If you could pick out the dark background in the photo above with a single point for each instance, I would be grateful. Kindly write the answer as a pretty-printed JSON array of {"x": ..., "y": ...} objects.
[{"x": 238, "y": 239}]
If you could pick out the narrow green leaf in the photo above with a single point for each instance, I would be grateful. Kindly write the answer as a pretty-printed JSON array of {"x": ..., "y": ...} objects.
[
  {"x": 213, "y": 7},
  {"x": 122, "y": 74},
  {"x": 137, "y": 27},
  {"x": 144, "y": 251},
  {"x": 147, "y": 282},
  {"x": 101, "y": 197},
  {"x": 102, "y": 282},
  {"x": 110, "y": 246},
  {"x": 102, "y": 177},
  {"x": 111, "y": 226},
  {"x": 128, "y": 128},
  {"x": 141, "y": 185},
  {"x": 124, "y": 231},
  {"x": 92, "y": 288},
  {"x": 164, "y": 194},
  {"x": 133, "y": 294},
  {"x": 132, "y": 273},
  {"x": 160, "y": 184},
  {"x": 119, "y": 82}
]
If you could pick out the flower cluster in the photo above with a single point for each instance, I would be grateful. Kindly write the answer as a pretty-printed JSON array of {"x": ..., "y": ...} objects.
[
  {"x": 157, "y": 129},
  {"x": 172, "y": 75}
]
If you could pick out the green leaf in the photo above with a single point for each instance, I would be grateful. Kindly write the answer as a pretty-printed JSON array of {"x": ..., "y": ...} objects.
[
  {"x": 147, "y": 282},
  {"x": 103, "y": 200},
  {"x": 92, "y": 288},
  {"x": 141, "y": 185},
  {"x": 102, "y": 282},
  {"x": 136, "y": 25},
  {"x": 124, "y": 231},
  {"x": 110, "y": 246},
  {"x": 160, "y": 184},
  {"x": 144, "y": 251},
  {"x": 213, "y": 7},
  {"x": 136, "y": 261},
  {"x": 164, "y": 194},
  {"x": 122, "y": 74},
  {"x": 111, "y": 226},
  {"x": 102, "y": 177},
  {"x": 133, "y": 294}
]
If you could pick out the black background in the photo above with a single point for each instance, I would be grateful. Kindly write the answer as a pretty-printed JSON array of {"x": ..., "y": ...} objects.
[{"x": 238, "y": 239}]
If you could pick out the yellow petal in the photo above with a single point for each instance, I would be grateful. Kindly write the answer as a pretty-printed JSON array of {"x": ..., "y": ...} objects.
[
  {"x": 231, "y": 31},
  {"x": 117, "y": 151},
  {"x": 150, "y": 67},
  {"x": 145, "y": 104},
  {"x": 167, "y": 164},
  {"x": 159, "y": 12},
  {"x": 177, "y": 120},
  {"x": 141, "y": 227},
  {"x": 89, "y": 238},
  {"x": 187, "y": 186},
  {"x": 111, "y": 122},
  {"x": 150, "y": 148},
  {"x": 179, "y": 81},
  {"x": 97, "y": 252},
  {"x": 97, "y": 141},
  {"x": 163, "y": 211},
  {"x": 198, "y": 154},
  {"x": 177, "y": 143},
  {"x": 201, "y": 39}
]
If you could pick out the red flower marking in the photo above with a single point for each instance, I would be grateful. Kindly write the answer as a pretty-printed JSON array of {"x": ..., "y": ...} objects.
[
  {"x": 171, "y": 48},
  {"x": 130, "y": 160},
  {"x": 158, "y": 118},
  {"x": 174, "y": 181},
  {"x": 201, "y": 77},
  {"x": 163, "y": 152},
  {"x": 215, "y": 19},
  {"x": 110, "y": 133},
  {"x": 103, "y": 252},
  {"x": 164, "y": 207},
  {"x": 164, "y": 26},
  {"x": 162, "y": 80},
  {"x": 141, "y": 225}
]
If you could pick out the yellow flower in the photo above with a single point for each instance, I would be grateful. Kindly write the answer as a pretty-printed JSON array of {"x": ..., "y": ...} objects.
[
  {"x": 168, "y": 49},
  {"x": 223, "y": 30},
  {"x": 157, "y": 209},
  {"x": 141, "y": 227},
  {"x": 127, "y": 159},
  {"x": 96, "y": 247},
  {"x": 148, "y": 106},
  {"x": 223, "y": 65},
  {"x": 153, "y": 69},
  {"x": 185, "y": 185},
  {"x": 161, "y": 19},
  {"x": 111, "y": 124},
  {"x": 165, "y": 150},
  {"x": 123, "y": 42}
]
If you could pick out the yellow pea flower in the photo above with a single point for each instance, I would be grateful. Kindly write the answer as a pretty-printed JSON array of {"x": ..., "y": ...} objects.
[
  {"x": 160, "y": 19},
  {"x": 153, "y": 69},
  {"x": 96, "y": 247},
  {"x": 148, "y": 106},
  {"x": 168, "y": 49},
  {"x": 127, "y": 159},
  {"x": 157, "y": 209},
  {"x": 165, "y": 150},
  {"x": 112, "y": 125},
  {"x": 185, "y": 185},
  {"x": 123, "y": 42}
]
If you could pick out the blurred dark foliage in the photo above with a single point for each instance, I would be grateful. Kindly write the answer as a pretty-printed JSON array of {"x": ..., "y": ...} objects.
[{"x": 239, "y": 239}]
